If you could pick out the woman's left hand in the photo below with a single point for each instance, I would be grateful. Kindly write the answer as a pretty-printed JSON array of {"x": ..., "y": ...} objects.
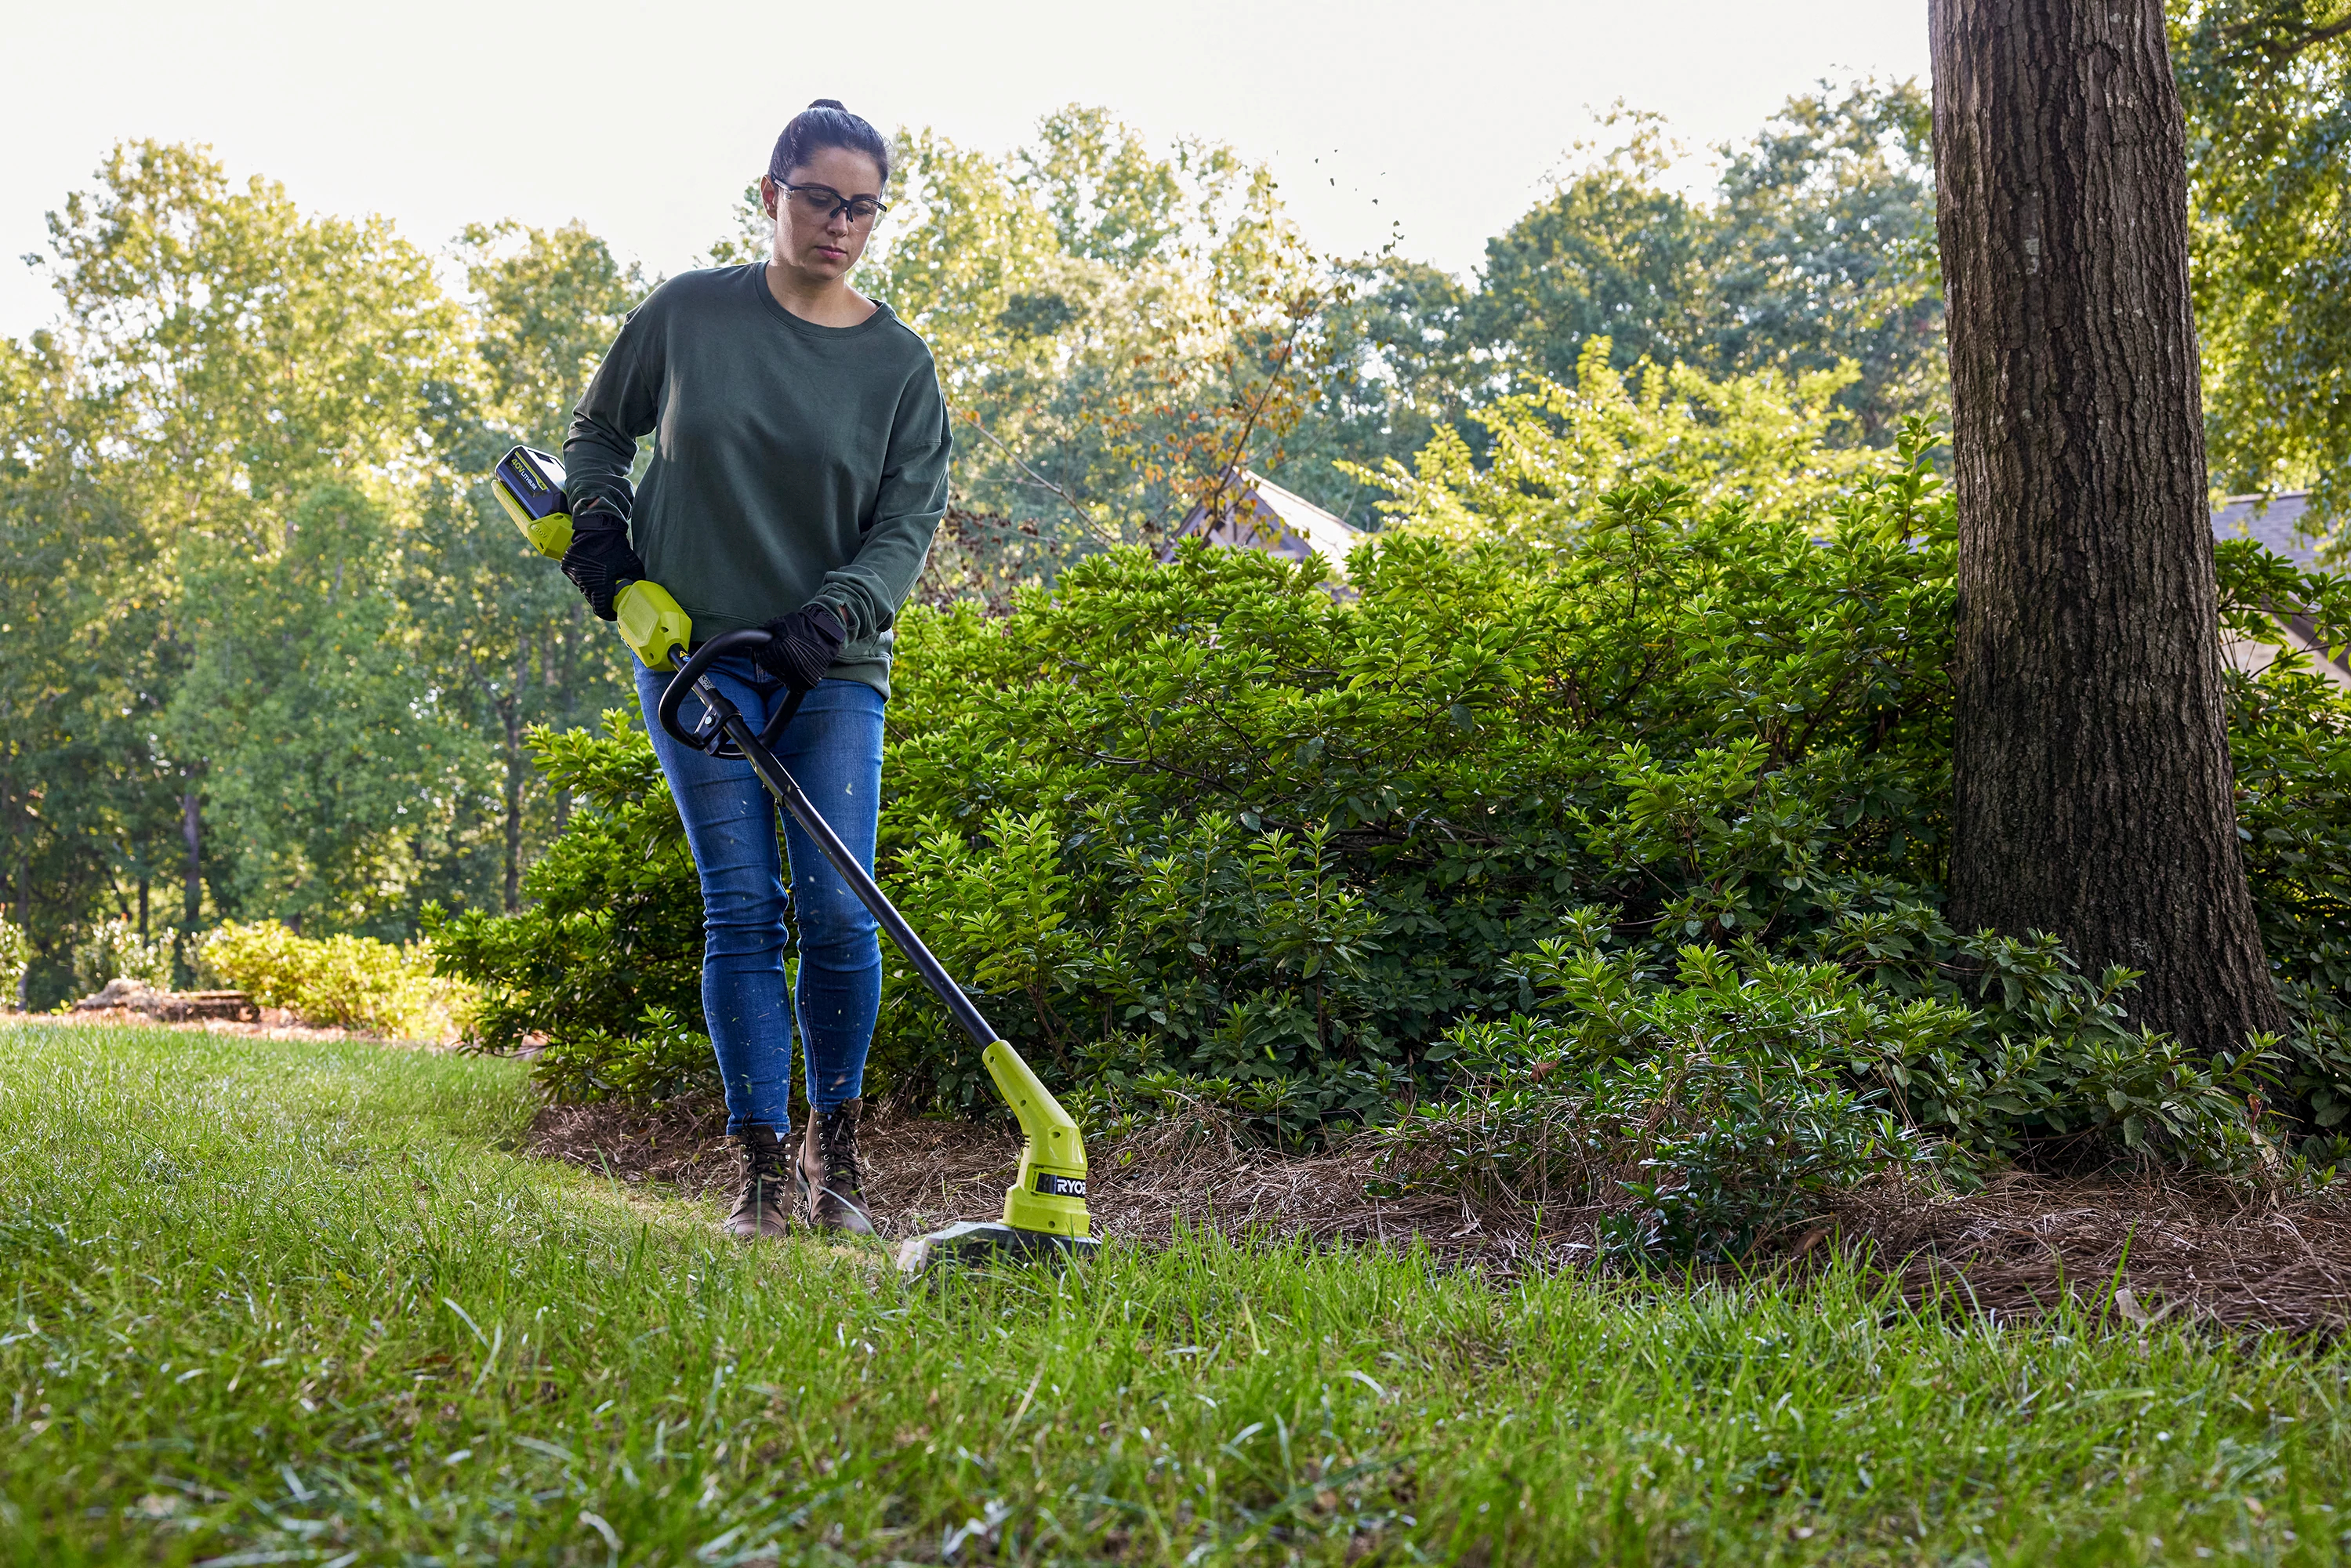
[{"x": 803, "y": 645}]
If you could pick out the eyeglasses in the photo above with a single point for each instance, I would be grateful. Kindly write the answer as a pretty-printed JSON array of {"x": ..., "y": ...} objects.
[{"x": 821, "y": 201}]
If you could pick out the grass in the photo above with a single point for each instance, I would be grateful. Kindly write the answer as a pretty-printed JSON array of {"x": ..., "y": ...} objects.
[{"x": 277, "y": 1303}]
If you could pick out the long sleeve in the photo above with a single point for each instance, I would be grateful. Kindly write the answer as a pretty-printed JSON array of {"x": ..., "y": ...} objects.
[
  {"x": 791, "y": 462},
  {"x": 622, "y": 403},
  {"x": 868, "y": 590}
]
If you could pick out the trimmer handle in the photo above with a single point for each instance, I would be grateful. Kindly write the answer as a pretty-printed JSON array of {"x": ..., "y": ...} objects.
[{"x": 712, "y": 740}]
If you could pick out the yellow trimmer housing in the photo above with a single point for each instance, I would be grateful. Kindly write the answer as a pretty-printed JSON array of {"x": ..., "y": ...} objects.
[
  {"x": 1048, "y": 1193},
  {"x": 1045, "y": 1217},
  {"x": 529, "y": 484},
  {"x": 651, "y": 624}
]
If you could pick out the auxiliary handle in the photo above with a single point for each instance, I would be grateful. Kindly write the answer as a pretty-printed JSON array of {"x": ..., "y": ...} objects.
[
  {"x": 754, "y": 749},
  {"x": 690, "y": 672}
]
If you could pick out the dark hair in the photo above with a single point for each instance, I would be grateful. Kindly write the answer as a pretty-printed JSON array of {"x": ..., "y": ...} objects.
[{"x": 825, "y": 123}]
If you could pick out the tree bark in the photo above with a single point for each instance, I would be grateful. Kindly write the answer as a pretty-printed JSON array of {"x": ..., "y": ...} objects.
[
  {"x": 191, "y": 899},
  {"x": 517, "y": 763},
  {"x": 2092, "y": 781},
  {"x": 192, "y": 902}
]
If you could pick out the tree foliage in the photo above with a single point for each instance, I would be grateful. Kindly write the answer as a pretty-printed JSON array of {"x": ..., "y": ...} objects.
[
  {"x": 1554, "y": 450},
  {"x": 1814, "y": 251},
  {"x": 272, "y": 640},
  {"x": 2266, "y": 85},
  {"x": 1117, "y": 327}
]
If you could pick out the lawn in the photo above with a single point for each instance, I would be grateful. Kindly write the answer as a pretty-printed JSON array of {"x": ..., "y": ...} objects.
[{"x": 291, "y": 1302}]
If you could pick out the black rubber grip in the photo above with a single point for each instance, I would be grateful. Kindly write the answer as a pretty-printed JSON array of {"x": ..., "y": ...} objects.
[{"x": 697, "y": 664}]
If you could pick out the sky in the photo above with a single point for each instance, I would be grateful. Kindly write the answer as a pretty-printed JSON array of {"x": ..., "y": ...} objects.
[{"x": 1439, "y": 123}]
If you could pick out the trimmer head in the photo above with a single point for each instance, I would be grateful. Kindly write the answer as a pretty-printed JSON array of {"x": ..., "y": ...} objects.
[
  {"x": 972, "y": 1243},
  {"x": 1045, "y": 1218}
]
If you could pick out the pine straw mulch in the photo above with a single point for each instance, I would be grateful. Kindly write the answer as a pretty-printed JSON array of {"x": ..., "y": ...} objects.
[
  {"x": 2149, "y": 1247},
  {"x": 2136, "y": 1247}
]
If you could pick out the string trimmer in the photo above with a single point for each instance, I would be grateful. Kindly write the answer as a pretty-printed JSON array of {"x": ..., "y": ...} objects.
[{"x": 1045, "y": 1207}]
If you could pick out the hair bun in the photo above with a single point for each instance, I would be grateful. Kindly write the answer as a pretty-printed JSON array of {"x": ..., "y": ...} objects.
[{"x": 822, "y": 124}]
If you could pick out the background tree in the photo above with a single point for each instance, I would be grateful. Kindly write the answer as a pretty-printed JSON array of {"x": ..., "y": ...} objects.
[
  {"x": 88, "y": 796},
  {"x": 340, "y": 773},
  {"x": 1399, "y": 365},
  {"x": 546, "y": 305},
  {"x": 229, "y": 354},
  {"x": 1815, "y": 249},
  {"x": 1821, "y": 250},
  {"x": 2267, "y": 89},
  {"x": 1554, "y": 451},
  {"x": 273, "y": 653},
  {"x": 1116, "y": 326},
  {"x": 1613, "y": 253},
  {"x": 2092, "y": 790}
]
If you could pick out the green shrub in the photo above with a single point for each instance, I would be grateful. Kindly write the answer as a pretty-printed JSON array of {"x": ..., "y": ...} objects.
[
  {"x": 114, "y": 950},
  {"x": 1197, "y": 821},
  {"x": 351, "y": 982},
  {"x": 613, "y": 928},
  {"x": 1280, "y": 837},
  {"x": 16, "y": 957},
  {"x": 2047, "y": 1055},
  {"x": 2290, "y": 737},
  {"x": 1728, "y": 1135},
  {"x": 1724, "y": 1095},
  {"x": 657, "y": 1060}
]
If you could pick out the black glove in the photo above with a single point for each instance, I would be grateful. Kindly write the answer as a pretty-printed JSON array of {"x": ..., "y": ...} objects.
[
  {"x": 600, "y": 559},
  {"x": 803, "y": 647}
]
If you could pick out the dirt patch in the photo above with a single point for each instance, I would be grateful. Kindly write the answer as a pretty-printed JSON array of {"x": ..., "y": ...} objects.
[{"x": 2020, "y": 1248}]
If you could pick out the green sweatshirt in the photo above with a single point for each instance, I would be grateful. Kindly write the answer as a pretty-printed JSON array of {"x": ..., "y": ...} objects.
[{"x": 791, "y": 462}]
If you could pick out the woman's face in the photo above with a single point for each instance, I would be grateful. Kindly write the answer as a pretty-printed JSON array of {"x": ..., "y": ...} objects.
[{"x": 813, "y": 236}]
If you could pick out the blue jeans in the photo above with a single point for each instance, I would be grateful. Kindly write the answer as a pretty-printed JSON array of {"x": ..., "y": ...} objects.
[{"x": 834, "y": 748}]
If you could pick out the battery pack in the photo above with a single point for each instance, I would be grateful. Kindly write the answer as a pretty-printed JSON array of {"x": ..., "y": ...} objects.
[{"x": 529, "y": 484}]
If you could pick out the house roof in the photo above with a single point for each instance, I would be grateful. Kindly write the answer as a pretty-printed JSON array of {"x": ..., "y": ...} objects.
[
  {"x": 2274, "y": 520},
  {"x": 1263, "y": 516}
]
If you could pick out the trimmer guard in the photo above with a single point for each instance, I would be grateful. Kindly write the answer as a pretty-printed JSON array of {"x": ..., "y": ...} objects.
[{"x": 971, "y": 1243}]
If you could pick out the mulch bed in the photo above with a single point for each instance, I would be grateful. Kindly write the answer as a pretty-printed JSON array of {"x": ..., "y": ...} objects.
[
  {"x": 2142, "y": 1249},
  {"x": 2023, "y": 1245}
]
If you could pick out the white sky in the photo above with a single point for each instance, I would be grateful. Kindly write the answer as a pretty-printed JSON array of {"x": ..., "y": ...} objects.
[{"x": 646, "y": 122}]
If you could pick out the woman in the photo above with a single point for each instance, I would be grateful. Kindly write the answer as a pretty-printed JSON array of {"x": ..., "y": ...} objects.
[{"x": 799, "y": 468}]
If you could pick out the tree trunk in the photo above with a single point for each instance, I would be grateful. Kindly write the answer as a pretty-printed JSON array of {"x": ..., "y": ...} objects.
[
  {"x": 517, "y": 761},
  {"x": 2091, "y": 761},
  {"x": 192, "y": 901}
]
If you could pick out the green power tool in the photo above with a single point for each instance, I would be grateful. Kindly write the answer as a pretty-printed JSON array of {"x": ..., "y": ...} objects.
[
  {"x": 1045, "y": 1207},
  {"x": 530, "y": 484}
]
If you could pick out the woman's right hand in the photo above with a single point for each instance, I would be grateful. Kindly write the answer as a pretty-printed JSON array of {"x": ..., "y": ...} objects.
[{"x": 600, "y": 558}]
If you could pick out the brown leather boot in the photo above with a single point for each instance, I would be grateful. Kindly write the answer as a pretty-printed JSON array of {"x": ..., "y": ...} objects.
[
  {"x": 831, "y": 1181},
  {"x": 764, "y": 1207}
]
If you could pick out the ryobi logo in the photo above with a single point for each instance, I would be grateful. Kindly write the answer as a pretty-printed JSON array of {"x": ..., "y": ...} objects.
[{"x": 1053, "y": 1185}]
